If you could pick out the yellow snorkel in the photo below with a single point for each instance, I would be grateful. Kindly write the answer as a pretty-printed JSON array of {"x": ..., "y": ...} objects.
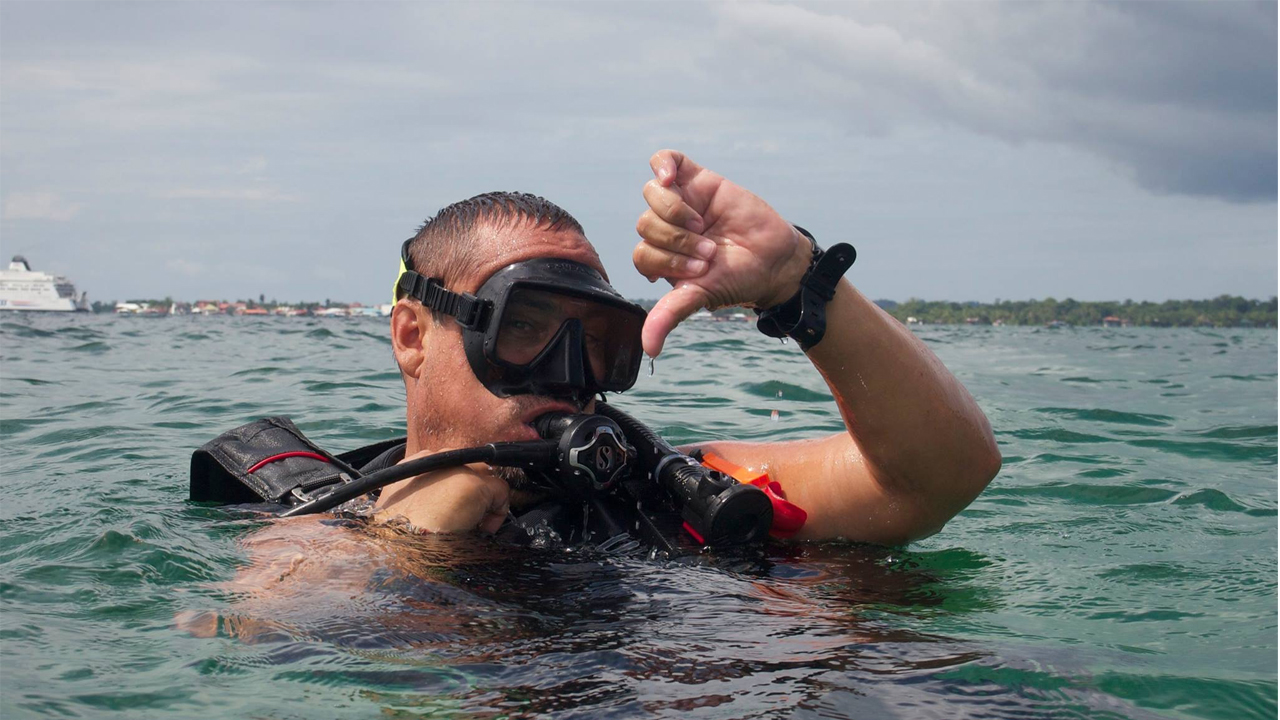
[
  {"x": 395, "y": 289},
  {"x": 405, "y": 267}
]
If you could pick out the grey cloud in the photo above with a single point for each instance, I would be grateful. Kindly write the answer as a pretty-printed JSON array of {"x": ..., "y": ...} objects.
[
  {"x": 1183, "y": 94},
  {"x": 328, "y": 131}
]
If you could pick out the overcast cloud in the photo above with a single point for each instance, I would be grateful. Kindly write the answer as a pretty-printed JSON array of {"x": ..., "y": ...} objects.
[{"x": 969, "y": 151}]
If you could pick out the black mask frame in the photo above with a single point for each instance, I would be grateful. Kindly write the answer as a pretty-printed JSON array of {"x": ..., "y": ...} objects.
[{"x": 562, "y": 367}]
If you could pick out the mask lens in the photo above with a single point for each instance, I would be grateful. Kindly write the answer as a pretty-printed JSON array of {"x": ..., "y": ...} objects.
[{"x": 610, "y": 335}]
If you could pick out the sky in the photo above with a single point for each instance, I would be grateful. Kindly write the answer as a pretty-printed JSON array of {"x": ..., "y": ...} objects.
[{"x": 969, "y": 151}]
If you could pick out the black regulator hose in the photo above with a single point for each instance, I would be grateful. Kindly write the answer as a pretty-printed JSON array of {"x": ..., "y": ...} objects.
[
  {"x": 584, "y": 456},
  {"x": 533, "y": 454},
  {"x": 588, "y": 456},
  {"x": 718, "y": 508}
]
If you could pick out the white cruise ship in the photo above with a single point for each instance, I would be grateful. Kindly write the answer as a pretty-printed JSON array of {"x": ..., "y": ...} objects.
[{"x": 22, "y": 289}]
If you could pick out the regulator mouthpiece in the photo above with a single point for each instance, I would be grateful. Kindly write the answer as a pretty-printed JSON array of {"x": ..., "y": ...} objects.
[{"x": 592, "y": 456}]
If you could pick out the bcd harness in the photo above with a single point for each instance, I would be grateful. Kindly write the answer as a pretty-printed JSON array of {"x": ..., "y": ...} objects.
[{"x": 606, "y": 476}]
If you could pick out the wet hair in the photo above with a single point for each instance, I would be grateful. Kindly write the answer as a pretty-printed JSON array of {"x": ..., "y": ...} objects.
[{"x": 445, "y": 246}]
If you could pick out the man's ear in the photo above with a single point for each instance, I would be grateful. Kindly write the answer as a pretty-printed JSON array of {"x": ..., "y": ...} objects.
[{"x": 409, "y": 323}]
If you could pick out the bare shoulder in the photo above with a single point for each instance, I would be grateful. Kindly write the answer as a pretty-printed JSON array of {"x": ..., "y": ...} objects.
[
  {"x": 298, "y": 552},
  {"x": 291, "y": 565}
]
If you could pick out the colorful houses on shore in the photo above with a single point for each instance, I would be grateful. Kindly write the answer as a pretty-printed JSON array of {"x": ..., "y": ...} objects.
[{"x": 220, "y": 307}]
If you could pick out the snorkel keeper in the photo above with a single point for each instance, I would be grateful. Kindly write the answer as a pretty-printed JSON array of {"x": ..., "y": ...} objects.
[{"x": 546, "y": 326}]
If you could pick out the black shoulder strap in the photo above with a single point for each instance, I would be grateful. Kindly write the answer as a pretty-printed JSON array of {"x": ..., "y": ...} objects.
[{"x": 377, "y": 456}]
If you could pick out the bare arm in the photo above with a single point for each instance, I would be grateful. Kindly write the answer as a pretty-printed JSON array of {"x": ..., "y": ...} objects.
[{"x": 917, "y": 448}]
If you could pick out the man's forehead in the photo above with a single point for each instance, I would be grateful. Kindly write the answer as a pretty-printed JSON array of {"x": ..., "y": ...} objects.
[
  {"x": 547, "y": 301},
  {"x": 501, "y": 246}
]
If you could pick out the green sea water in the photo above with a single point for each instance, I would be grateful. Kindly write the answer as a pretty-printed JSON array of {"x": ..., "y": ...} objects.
[{"x": 1122, "y": 565}]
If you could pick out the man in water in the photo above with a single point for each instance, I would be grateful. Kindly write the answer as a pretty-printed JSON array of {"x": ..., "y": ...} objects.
[{"x": 916, "y": 448}]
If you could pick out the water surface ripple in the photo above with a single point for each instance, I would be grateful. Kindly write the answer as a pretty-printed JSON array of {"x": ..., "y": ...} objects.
[{"x": 1123, "y": 564}]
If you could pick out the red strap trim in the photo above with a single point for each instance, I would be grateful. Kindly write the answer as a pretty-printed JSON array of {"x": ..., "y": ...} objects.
[
  {"x": 696, "y": 535},
  {"x": 282, "y": 456}
]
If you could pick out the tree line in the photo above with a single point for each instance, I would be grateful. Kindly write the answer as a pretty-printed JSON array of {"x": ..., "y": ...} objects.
[{"x": 1222, "y": 311}]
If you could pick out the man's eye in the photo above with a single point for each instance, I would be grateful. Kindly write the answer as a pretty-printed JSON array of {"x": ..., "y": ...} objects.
[{"x": 520, "y": 325}]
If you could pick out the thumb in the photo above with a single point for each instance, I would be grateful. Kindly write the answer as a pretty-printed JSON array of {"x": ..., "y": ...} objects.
[
  {"x": 673, "y": 166},
  {"x": 683, "y": 300}
]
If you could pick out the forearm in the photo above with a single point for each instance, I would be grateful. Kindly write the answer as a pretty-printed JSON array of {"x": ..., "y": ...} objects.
[
  {"x": 917, "y": 427},
  {"x": 917, "y": 450}
]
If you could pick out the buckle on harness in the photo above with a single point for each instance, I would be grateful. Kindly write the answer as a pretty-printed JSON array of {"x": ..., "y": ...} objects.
[{"x": 301, "y": 491}]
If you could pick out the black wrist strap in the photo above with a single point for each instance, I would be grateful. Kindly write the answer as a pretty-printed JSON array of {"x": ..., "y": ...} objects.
[{"x": 803, "y": 318}]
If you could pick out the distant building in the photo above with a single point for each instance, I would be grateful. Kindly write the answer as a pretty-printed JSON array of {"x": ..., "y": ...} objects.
[
  {"x": 1113, "y": 321},
  {"x": 135, "y": 307}
]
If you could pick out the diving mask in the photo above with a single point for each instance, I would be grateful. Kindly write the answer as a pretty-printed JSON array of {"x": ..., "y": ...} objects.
[{"x": 546, "y": 326}]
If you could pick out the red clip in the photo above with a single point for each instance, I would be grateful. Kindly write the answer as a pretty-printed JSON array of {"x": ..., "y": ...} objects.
[{"x": 788, "y": 517}]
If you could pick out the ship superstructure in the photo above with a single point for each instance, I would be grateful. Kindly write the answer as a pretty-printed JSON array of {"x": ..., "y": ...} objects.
[{"x": 21, "y": 288}]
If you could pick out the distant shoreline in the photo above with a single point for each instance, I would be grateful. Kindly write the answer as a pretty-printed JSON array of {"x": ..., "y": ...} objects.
[{"x": 1222, "y": 311}]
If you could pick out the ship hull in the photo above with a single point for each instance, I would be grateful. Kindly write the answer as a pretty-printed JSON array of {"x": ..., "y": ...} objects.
[
  {"x": 27, "y": 291},
  {"x": 61, "y": 305}
]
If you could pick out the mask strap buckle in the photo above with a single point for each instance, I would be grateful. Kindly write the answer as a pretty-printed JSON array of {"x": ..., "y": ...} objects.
[{"x": 465, "y": 308}]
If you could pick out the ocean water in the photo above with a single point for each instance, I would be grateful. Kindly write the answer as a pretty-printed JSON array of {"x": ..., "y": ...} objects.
[{"x": 1122, "y": 565}]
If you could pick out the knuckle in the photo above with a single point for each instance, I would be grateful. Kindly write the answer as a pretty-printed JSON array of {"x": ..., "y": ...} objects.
[{"x": 673, "y": 207}]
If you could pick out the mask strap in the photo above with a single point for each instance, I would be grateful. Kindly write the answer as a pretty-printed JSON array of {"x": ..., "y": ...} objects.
[{"x": 467, "y": 309}]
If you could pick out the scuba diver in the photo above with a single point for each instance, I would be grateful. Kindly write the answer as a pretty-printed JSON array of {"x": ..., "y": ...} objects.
[{"x": 507, "y": 334}]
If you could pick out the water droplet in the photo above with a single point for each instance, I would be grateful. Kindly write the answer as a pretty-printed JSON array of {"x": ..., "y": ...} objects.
[
  {"x": 784, "y": 341},
  {"x": 650, "y": 367}
]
